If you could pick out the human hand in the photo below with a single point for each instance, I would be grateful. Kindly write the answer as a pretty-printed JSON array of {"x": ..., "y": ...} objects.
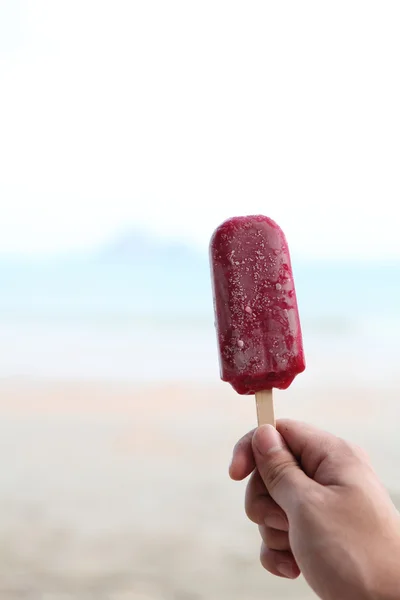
[{"x": 321, "y": 510}]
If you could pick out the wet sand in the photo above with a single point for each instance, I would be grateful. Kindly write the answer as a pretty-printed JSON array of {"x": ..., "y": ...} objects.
[{"x": 116, "y": 491}]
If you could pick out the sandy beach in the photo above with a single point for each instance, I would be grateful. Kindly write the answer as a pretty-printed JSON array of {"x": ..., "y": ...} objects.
[{"x": 119, "y": 491}]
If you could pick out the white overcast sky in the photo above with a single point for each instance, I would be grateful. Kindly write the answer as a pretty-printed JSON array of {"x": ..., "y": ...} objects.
[{"x": 175, "y": 115}]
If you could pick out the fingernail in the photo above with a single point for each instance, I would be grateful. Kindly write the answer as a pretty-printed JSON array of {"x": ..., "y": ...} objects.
[
  {"x": 286, "y": 569},
  {"x": 266, "y": 439}
]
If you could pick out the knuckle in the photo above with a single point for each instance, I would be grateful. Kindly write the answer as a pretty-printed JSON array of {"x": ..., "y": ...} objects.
[
  {"x": 265, "y": 558},
  {"x": 361, "y": 454},
  {"x": 275, "y": 539},
  {"x": 277, "y": 472},
  {"x": 269, "y": 536},
  {"x": 253, "y": 511},
  {"x": 346, "y": 446},
  {"x": 311, "y": 503},
  {"x": 249, "y": 510},
  {"x": 265, "y": 563},
  {"x": 337, "y": 445},
  {"x": 352, "y": 451}
]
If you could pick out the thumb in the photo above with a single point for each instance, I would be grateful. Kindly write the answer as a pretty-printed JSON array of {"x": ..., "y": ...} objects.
[{"x": 279, "y": 470}]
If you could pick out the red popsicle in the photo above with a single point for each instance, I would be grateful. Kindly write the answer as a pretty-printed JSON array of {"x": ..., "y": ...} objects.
[{"x": 257, "y": 319}]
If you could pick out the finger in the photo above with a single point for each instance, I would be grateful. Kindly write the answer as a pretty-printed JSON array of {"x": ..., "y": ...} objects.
[
  {"x": 260, "y": 507},
  {"x": 273, "y": 538},
  {"x": 242, "y": 463},
  {"x": 279, "y": 470},
  {"x": 315, "y": 448},
  {"x": 300, "y": 436},
  {"x": 279, "y": 563}
]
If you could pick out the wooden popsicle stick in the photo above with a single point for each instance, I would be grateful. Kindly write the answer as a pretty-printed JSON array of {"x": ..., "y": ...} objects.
[{"x": 265, "y": 408}]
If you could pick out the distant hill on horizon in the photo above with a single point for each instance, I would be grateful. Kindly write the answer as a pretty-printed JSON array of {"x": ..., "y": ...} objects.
[
  {"x": 137, "y": 246},
  {"x": 128, "y": 248},
  {"x": 140, "y": 274},
  {"x": 133, "y": 274}
]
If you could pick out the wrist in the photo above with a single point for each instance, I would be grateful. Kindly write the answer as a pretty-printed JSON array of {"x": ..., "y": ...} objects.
[
  {"x": 384, "y": 576},
  {"x": 388, "y": 588},
  {"x": 393, "y": 594},
  {"x": 389, "y": 594}
]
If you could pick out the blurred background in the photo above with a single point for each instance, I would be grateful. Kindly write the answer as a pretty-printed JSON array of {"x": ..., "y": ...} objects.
[{"x": 128, "y": 132}]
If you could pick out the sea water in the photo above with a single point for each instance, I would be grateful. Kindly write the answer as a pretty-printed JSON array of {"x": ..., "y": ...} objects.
[{"x": 152, "y": 320}]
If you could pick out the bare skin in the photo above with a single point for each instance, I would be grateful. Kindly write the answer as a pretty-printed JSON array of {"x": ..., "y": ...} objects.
[{"x": 321, "y": 511}]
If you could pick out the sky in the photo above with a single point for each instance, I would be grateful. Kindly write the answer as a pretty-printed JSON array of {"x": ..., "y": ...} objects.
[{"x": 172, "y": 116}]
